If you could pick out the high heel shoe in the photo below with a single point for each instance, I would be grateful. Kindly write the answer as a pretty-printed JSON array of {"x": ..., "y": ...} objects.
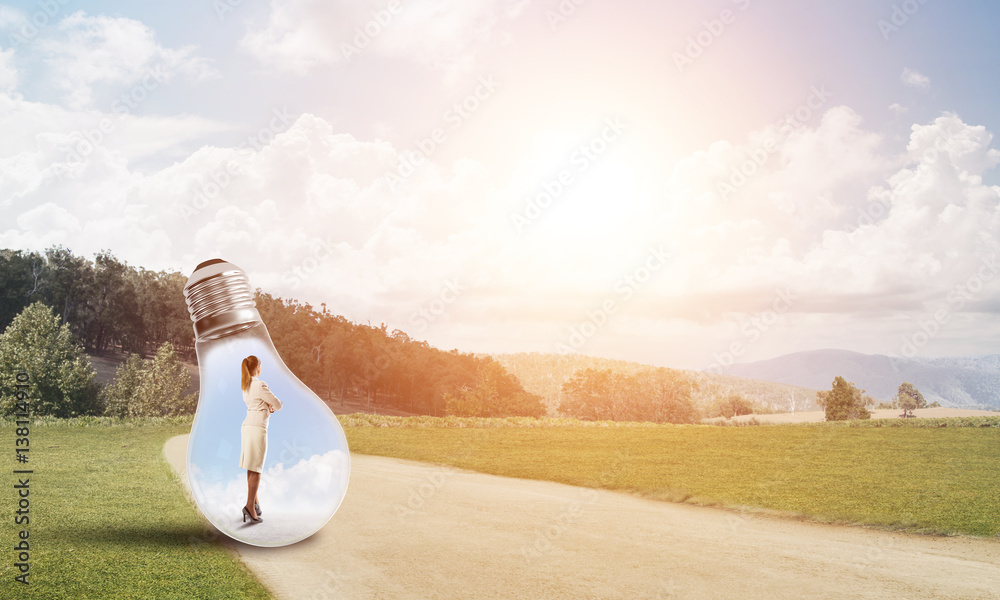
[
  {"x": 246, "y": 513},
  {"x": 256, "y": 509}
]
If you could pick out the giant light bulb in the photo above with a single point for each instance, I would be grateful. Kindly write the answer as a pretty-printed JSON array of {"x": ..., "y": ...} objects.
[{"x": 307, "y": 464}]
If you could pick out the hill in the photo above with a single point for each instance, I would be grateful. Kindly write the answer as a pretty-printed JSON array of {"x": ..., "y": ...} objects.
[
  {"x": 960, "y": 382},
  {"x": 114, "y": 309},
  {"x": 544, "y": 374}
]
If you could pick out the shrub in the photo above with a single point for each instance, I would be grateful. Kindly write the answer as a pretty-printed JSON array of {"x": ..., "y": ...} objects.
[{"x": 60, "y": 373}]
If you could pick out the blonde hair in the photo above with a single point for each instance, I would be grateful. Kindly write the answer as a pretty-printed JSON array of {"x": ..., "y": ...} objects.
[{"x": 250, "y": 365}]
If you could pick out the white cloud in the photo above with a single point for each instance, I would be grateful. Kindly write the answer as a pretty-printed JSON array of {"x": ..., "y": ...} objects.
[
  {"x": 52, "y": 157},
  {"x": 853, "y": 222},
  {"x": 85, "y": 51},
  {"x": 853, "y": 226},
  {"x": 302, "y": 34},
  {"x": 963, "y": 146},
  {"x": 915, "y": 79},
  {"x": 302, "y": 489},
  {"x": 306, "y": 187},
  {"x": 299, "y": 499}
]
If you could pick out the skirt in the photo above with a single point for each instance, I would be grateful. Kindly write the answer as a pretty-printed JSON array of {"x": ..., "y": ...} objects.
[{"x": 253, "y": 448}]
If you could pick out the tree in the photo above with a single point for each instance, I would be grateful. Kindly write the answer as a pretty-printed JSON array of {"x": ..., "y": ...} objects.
[
  {"x": 20, "y": 280},
  {"x": 665, "y": 396},
  {"x": 67, "y": 278},
  {"x": 497, "y": 394},
  {"x": 731, "y": 406},
  {"x": 844, "y": 401},
  {"x": 150, "y": 389},
  {"x": 111, "y": 306},
  {"x": 60, "y": 371},
  {"x": 908, "y": 404},
  {"x": 118, "y": 394},
  {"x": 657, "y": 395},
  {"x": 585, "y": 395},
  {"x": 909, "y": 399}
]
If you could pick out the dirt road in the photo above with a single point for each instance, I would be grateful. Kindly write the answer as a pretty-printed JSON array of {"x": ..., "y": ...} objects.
[{"x": 413, "y": 530}]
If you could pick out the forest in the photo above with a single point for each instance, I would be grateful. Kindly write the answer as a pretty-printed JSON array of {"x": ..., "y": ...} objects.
[{"x": 113, "y": 307}]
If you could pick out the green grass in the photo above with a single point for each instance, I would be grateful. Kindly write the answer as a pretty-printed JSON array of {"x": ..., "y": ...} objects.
[
  {"x": 936, "y": 479},
  {"x": 110, "y": 520}
]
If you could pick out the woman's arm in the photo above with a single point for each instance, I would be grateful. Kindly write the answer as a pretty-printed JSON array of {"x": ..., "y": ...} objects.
[{"x": 270, "y": 399}]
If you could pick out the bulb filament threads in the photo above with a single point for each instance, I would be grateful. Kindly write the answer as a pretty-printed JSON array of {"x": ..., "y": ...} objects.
[{"x": 220, "y": 300}]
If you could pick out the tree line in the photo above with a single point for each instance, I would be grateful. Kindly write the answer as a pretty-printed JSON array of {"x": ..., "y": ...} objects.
[
  {"x": 342, "y": 360},
  {"x": 107, "y": 305},
  {"x": 54, "y": 306},
  {"x": 658, "y": 395},
  {"x": 714, "y": 395}
]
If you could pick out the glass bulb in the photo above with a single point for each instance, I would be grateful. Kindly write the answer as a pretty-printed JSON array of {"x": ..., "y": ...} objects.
[{"x": 307, "y": 463}]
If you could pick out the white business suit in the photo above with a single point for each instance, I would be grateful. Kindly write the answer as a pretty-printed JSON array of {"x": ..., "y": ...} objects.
[{"x": 253, "y": 433}]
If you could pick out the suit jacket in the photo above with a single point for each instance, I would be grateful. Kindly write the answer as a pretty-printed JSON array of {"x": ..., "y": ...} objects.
[{"x": 258, "y": 398}]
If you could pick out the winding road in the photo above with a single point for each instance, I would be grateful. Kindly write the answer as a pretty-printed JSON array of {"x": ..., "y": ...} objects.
[{"x": 416, "y": 530}]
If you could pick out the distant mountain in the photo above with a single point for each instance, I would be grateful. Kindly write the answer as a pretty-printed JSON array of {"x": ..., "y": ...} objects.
[
  {"x": 544, "y": 374},
  {"x": 961, "y": 381}
]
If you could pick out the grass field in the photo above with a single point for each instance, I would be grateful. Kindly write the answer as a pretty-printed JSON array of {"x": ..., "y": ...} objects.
[
  {"x": 936, "y": 479},
  {"x": 109, "y": 521}
]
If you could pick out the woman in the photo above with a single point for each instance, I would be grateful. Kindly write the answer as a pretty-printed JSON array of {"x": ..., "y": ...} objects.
[{"x": 253, "y": 435}]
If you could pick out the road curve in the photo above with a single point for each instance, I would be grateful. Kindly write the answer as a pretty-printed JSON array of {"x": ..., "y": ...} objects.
[{"x": 416, "y": 530}]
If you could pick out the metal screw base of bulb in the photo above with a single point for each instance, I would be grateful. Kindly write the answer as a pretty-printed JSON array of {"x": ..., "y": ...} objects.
[{"x": 220, "y": 300}]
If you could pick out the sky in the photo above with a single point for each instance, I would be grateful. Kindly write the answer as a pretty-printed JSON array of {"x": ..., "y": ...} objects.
[{"x": 686, "y": 184}]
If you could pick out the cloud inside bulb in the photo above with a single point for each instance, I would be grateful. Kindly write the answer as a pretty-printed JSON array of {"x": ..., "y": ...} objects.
[{"x": 301, "y": 489}]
